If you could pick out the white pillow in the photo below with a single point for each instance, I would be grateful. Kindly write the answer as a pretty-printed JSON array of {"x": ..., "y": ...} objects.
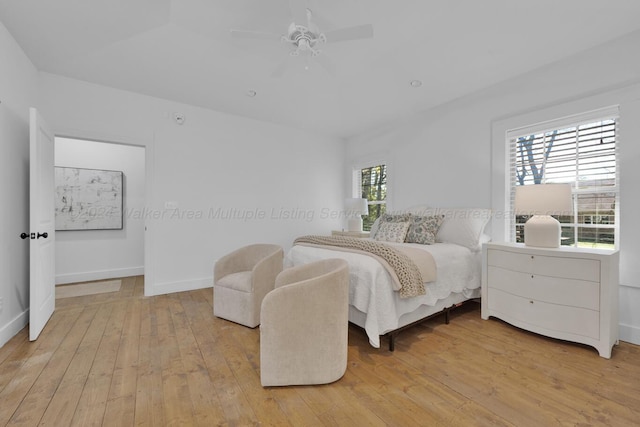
[
  {"x": 462, "y": 226},
  {"x": 374, "y": 228},
  {"x": 484, "y": 238}
]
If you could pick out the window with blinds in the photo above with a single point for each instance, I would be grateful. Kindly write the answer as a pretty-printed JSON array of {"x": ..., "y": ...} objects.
[
  {"x": 583, "y": 153},
  {"x": 371, "y": 184}
]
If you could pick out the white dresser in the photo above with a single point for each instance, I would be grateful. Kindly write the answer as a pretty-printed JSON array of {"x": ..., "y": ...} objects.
[{"x": 566, "y": 293}]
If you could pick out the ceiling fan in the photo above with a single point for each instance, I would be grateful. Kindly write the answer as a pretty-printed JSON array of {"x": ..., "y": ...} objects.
[{"x": 305, "y": 37}]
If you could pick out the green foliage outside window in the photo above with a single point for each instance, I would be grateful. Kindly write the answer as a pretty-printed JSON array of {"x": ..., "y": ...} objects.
[{"x": 374, "y": 188}]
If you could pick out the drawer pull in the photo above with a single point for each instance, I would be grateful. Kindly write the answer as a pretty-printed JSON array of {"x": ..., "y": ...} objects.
[{"x": 530, "y": 302}]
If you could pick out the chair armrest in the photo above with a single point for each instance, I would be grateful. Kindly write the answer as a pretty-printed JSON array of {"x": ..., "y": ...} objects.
[
  {"x": 233, "y": 262},
  {"x": 266, "y": 270},
  {"x": 300, "y": 273},
  {"x": 244, "y": 259}
]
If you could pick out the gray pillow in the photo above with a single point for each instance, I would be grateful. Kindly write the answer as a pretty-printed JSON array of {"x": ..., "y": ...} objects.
[
  {"x": 423, "y": 229},
  {"x": 387, "y": 217},
  {"x": 392, "y": 231}
]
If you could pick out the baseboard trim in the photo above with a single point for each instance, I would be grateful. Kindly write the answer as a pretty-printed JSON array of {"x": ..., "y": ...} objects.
[
  {"x": 629, "y": 327},
  {"x": 182, "y": 286},
  {"x": 10, "y": 330},
  {"x": 88, "y": 276},
  {"x": 630, "y": 334}
]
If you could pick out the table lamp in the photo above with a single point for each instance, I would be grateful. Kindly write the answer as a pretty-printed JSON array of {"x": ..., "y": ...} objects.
[
  {"x": 355, "y": 208},
  {"x": 542, "y": 201}
]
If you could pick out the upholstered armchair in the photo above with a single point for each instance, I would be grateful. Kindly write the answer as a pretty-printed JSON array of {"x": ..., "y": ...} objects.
[
  {"x": 304, "y": 325},
  {"x": 242, "y": 278}
]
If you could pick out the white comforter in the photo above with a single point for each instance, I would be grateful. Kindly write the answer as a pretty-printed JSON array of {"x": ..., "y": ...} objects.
[{"x": 370, "y": 289}]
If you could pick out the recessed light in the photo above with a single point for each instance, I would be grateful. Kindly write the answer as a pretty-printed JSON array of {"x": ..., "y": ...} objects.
[
  {"x": 415, "y": 83},
  {"x": 251, "y": 93}
]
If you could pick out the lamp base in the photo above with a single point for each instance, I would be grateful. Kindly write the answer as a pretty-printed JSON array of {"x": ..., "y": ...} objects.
[
  {"x": 354, "y": 224},
  {"x": 542, "y": 231}
]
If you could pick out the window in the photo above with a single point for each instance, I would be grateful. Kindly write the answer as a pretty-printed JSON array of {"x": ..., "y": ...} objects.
[
  {"x": 581, "y": 151},
  {"x": 371, "y": 183}
]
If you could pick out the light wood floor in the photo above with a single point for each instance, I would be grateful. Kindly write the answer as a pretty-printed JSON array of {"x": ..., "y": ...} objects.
[{"x": 123, "y": 359}]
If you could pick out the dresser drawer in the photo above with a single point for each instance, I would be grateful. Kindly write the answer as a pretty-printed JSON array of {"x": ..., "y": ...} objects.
[
  {"x": 571, "y": 292},
  {"x": 543, "y": 317},
  {"x": 566, "y": 293},
  {"x": 564, "y": 267}
]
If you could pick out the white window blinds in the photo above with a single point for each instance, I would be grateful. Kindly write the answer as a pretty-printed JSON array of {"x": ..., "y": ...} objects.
[{"x": 581, "y": 150}]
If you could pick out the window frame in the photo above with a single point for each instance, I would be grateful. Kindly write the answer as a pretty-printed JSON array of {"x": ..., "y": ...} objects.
[
  {"x": 356, "y": 182},
  {"x": 576, "y": 120}
]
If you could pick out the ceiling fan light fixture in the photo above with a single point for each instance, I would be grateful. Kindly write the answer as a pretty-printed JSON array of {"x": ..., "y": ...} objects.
[
  {"x": 305, "y": 37},
  {"x": 304, "y": 43}
]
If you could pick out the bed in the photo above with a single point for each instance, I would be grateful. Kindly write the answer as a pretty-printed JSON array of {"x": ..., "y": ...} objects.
[{"x": 379, "y": 309}]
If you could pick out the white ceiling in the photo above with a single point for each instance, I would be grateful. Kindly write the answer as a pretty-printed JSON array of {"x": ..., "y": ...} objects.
[{"x": 182, "y": 50}]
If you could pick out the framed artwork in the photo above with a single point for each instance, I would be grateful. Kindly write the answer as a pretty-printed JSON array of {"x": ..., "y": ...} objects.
[{"x": 88, "y": 199}]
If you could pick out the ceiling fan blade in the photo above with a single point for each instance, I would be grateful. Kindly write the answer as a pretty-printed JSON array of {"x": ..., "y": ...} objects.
[
  {"x": 241, "y": 34},
  {"x": 349, "y": 33},
  {"x": 281, "y": 68},
  {"x": 326, "y": 63},
  {"x": 299, "y": 12},
  {"x": 320, "y": 20}
]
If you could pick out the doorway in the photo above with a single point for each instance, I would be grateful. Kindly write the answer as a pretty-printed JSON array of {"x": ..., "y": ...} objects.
[{"x": 97, "y": 253}]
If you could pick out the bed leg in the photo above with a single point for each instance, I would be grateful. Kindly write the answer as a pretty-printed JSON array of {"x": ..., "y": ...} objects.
[
  {"x": 446, "y": 315},
  {"x": 392, "y": 342}
]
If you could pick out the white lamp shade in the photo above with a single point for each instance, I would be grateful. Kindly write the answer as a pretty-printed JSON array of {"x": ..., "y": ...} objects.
[
  {"x": 543, "y": 199},
  {"x": 357, "y": 206}
]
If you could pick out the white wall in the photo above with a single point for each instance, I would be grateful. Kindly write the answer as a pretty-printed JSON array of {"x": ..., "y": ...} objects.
[
  {"x": 18, "y": 83},
  {"x": 100, "y": 254},
  {"x": 215, "y": 183},
  {"x": 453, "y": 155}
]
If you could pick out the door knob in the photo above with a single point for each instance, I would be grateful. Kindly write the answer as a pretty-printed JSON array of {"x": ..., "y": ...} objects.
[{"x": 33, "y": 235}]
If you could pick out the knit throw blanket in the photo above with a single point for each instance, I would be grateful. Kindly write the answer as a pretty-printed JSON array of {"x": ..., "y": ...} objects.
[{"x": 404, "y": 266}]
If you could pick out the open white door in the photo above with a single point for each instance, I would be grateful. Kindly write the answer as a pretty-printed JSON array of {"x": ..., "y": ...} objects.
[{"x": 42, "y": 293}]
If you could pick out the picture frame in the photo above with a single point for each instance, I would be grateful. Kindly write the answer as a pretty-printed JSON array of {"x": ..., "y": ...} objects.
[{"x": 88, "y": 199}]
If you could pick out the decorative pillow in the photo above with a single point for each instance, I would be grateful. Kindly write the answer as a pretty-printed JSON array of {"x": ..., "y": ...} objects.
[
  {"x": 388, "y": 217},
  {"x": 395, "y": 217},
  {"x": 462, "y": 226},
  {"x": 392, "y": 231},
  {"x": 423, "y": 229}
]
